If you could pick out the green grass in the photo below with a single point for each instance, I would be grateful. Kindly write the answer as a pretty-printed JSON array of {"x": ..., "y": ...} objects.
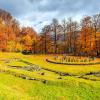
[
  {"x": 12, "y": 88},
  {"x": 66, "y": 88},
  {"x": 16, "y": 63}
]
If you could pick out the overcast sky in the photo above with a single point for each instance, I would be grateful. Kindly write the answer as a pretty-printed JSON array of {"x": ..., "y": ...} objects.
[{"x": 37, "y": 13}]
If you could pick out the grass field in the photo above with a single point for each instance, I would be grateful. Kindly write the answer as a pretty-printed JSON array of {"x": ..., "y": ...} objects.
[{"x": 19, "y": 81}]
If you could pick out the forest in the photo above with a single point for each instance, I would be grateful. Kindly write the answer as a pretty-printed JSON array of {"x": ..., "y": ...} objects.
[{"x": 59, "y": 37}]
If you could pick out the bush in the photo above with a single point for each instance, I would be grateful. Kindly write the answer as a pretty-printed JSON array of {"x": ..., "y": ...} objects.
[{"x": 26, "y": 52}]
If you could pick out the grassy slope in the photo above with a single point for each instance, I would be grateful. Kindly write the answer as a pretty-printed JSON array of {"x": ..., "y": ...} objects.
[
  {"x": 12, "y": 88},
  {"x": 68, "y": 88}
]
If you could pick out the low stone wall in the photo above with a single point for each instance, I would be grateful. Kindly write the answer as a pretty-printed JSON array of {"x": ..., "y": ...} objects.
[
  {"x": 72, "y": 63},
  {"x": 23, "y": 76}
]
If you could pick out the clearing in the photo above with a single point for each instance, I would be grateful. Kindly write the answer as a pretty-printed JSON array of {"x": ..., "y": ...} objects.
[{"x": 31, "y": 77}]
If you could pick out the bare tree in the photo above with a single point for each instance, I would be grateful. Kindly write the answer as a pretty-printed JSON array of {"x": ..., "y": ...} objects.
[
  {"x": 75, "y": 30},
  {"x": 46, "y": 30},
  {"x": 70, "y": 31},
  {"x": 64, "y": 28},
  {"x": 54, "y": 29}
]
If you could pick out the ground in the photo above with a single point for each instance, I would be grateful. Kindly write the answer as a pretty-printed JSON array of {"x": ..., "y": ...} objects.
[{"x": 31, "y": 77}]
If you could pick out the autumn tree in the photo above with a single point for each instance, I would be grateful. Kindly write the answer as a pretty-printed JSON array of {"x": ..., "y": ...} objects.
[
  {"x": 3, "y": 37},
  {"x": 28, "y": 39},
  {"x": 96, "y": 27}
]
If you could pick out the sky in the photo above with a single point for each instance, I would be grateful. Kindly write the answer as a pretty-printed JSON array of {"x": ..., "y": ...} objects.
[{"x": 37, "y": 13}]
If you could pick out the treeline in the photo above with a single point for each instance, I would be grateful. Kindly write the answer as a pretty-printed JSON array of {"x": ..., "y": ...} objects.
[{"x": 66, "y": 37}]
